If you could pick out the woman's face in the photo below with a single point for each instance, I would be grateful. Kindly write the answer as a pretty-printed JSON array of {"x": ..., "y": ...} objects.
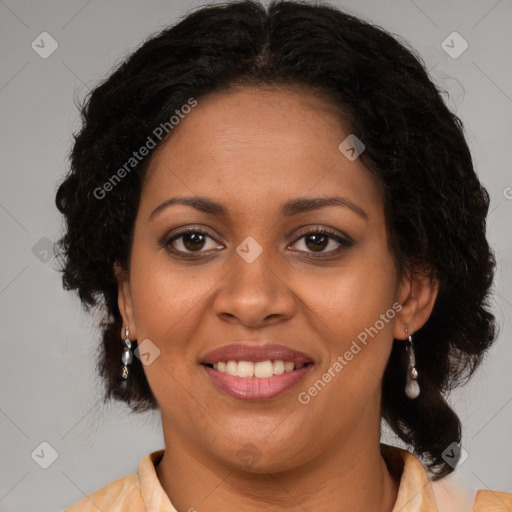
[{"x": 256, "y": 278}]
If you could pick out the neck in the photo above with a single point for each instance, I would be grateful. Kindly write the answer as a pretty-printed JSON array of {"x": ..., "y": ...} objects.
[{"x": 352, "y": 476}]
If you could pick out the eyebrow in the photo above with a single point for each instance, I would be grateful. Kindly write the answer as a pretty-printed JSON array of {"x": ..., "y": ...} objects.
[{"x": 289, "y": 209}]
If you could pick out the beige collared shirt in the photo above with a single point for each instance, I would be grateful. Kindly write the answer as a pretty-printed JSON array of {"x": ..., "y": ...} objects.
[{"x": 142, "y": 491}]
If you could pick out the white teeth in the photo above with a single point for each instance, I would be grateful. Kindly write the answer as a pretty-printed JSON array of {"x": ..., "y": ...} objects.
[
  {"x": 232, "y": 368},
  {"x": 260, "y": 369},
  {"x": 288, "y": 366},
  {"x": 263, "y": 369},
  {"x": 245, "y": 369},
  {"x": 278, "y": 367}
]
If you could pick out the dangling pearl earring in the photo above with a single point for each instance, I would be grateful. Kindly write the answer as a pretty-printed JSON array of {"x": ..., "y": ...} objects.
[
  {"x": 126, "y": 357},
  {"x": 412, "y": 388}
]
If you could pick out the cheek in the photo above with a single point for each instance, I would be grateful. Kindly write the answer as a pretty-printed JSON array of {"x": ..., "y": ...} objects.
[
  {"x": 354, "y": 316},
  {"x": 351, "y": 298},
  {"x": 165, "y": 299}
]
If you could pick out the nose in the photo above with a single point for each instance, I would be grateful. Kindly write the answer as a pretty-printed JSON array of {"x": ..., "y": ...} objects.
[{"x": 255, "y": 294}]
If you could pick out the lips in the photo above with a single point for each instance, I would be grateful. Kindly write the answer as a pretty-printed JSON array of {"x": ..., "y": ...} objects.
[
  {"x": 243, "y": 386},
  {"x": 255, "y": 353}
]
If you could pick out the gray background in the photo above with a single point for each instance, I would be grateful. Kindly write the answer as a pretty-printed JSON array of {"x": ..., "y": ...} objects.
[{"x": 49, "y": 387}]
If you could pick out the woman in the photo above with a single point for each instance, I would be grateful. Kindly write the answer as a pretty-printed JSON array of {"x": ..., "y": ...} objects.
[{"x": 282, "y": 222}]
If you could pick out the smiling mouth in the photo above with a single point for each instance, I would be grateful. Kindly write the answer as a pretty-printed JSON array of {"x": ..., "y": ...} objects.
[
  {"x": 258, "y": 369},
  {"x": 256, "y": 381}
]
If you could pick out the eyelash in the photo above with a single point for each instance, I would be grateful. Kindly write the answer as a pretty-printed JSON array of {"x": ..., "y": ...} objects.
[{"x": 344, "y": 242}]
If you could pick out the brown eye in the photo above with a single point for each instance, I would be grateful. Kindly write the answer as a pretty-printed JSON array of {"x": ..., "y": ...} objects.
[
  {"x": 191, "y": 241},
  {"x": 316, "y": 241}
]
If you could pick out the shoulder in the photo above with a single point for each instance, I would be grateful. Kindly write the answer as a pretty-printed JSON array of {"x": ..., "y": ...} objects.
[
  {"x": 451, "y": 496},
  {"x": 136, "y": 492},
  {"x": 121, "y": 495},
  {"x": 493, "y": 501},
  {"x": 417, "y": 491}
]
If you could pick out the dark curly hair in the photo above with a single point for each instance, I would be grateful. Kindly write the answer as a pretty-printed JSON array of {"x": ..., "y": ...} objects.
[{"x": 435, "y": 206}]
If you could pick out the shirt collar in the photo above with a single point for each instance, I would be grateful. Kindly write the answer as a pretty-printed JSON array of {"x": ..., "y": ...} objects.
[
  {"x": 153, "y": 494},
  {"x": 414, "y": 492}
]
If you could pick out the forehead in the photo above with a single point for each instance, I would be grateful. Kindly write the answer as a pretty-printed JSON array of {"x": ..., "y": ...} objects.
[{"x": 258, "y": 146}]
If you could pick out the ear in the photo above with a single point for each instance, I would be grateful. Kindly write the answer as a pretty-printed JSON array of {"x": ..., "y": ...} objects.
[
  {"x": 417, "y": 295},
  {"x": 124, "y": 301}
]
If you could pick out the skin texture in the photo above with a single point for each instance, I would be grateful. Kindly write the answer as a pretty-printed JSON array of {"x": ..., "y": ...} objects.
[{"x": 254, "y": 149}]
